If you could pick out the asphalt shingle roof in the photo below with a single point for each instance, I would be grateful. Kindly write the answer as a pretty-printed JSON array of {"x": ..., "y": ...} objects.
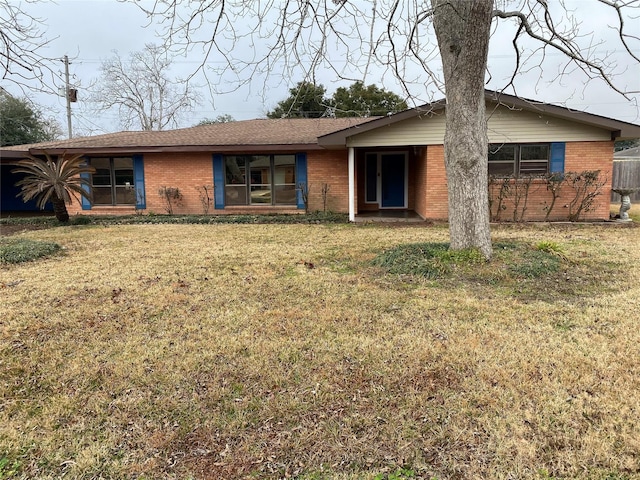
[{"x": 298, "y": 131}]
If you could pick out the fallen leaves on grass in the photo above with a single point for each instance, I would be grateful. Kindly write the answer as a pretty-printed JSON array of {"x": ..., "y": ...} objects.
[{"x": 118, "y": 365}]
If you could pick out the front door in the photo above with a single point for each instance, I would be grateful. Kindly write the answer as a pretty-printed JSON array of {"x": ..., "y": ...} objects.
[
  {"x": 392, "y": 180},
  {"x": 386, "y": 179}
]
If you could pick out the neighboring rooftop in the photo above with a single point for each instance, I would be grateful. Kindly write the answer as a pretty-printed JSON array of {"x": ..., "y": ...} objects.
[{"x": 629, "y": 153}]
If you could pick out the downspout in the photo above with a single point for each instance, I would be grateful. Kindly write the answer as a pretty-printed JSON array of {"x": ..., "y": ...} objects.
[{"x": 352, "y": 184}]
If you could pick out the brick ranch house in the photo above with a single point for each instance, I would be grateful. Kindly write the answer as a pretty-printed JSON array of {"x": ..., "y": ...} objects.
[{"x": 393, "y": 163}]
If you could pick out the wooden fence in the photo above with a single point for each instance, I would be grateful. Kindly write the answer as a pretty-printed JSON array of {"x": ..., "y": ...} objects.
[{"x": 626, "y": 173}]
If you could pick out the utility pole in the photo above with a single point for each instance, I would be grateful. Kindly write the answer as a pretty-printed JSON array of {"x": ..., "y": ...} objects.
[{"x": 67, "y": 91}]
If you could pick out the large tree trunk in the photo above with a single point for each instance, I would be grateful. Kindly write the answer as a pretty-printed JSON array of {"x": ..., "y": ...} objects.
[
  {"x": 463, "y": 28},
  {"x": 59, "y": 209}
]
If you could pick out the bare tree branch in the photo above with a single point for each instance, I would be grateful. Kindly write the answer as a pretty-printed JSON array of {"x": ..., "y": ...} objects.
[
  {"x": 241, "y": 41},
  {"x": 22, "y": 40},
  {"x": 618, "y": 6},
  {"x": 550, "y": 35},
  {"x": 142, "y": 92}
]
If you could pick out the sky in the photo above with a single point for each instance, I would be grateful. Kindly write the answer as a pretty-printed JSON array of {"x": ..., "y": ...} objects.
[{"x": 89, "y": 31}]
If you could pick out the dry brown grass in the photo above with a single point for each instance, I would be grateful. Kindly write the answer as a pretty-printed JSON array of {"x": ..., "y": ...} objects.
[{"x": 271, "y": 351}]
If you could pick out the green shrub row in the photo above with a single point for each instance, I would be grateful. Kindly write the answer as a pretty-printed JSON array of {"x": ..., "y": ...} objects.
[{"x": 317, "y": 217}]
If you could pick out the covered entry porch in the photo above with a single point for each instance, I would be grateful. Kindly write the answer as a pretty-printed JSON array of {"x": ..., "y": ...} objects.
[{"x": 386, "y": 183}]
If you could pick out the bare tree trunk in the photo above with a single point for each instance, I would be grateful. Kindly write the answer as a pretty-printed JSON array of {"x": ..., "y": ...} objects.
[{"x": 463, "y": 29}]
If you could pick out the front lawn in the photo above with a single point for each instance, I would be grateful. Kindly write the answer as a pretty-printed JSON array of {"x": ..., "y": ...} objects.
[{"x": 293, "y": 351}]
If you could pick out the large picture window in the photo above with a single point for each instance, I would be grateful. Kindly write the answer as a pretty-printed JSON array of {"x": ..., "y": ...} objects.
[
  {"x": 260, "y": 179},
  {"x": 112, "y": 183},
  {"x": 518, "y": 160}
]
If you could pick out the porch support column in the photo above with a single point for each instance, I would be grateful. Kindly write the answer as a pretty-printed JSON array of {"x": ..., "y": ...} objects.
[{"x": 352, "y": 184}]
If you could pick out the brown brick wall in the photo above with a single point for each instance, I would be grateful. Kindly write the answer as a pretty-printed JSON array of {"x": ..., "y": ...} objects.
[
  {"x": 330, "y": 167},
  {"x": 76, "y": 209},
  {"x": 185, "y": 171},
  {"x": 436, "y": 186},
  {"x": 579, "y": 156}
]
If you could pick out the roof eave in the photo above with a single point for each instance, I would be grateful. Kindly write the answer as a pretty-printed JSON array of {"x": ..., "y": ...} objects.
[
  {"x": 13, "y": 154},
  {"x": 177, "y": 149},
  {"x": 628, "y": 133},
  {"x": 619, "y": 130}
]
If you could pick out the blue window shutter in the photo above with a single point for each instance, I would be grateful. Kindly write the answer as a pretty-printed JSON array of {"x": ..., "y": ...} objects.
[
  {"x": 138, "y": 182},
  {"x": 86, "y": 204},
  {"x": 557, "y": 158},
  {"x": 301, "y": 176},
  {"x": 218, "y": 180}
]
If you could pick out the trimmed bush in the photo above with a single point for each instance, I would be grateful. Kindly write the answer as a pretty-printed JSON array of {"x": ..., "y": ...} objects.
[{"x": 18, "y": 250}]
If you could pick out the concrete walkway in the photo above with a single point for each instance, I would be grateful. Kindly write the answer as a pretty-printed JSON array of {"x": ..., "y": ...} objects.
[{"x": 394, "y": 216}]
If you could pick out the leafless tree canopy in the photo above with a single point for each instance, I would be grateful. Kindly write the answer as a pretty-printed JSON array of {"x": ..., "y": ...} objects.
[
  {"x": 21, "y": 43},
  {"x": 347, "y": 37},
  {"x": 142, "y": 92}
]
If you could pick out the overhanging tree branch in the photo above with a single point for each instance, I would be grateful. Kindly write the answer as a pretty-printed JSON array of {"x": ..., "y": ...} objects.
[
  {"x": 563, "y": 43},
  {"x": 22, "y": 41},
  {"x": 618, "y": 6}
]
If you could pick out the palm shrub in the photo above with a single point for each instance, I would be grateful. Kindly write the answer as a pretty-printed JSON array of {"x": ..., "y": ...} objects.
[{"x": 52, "y": 180}]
